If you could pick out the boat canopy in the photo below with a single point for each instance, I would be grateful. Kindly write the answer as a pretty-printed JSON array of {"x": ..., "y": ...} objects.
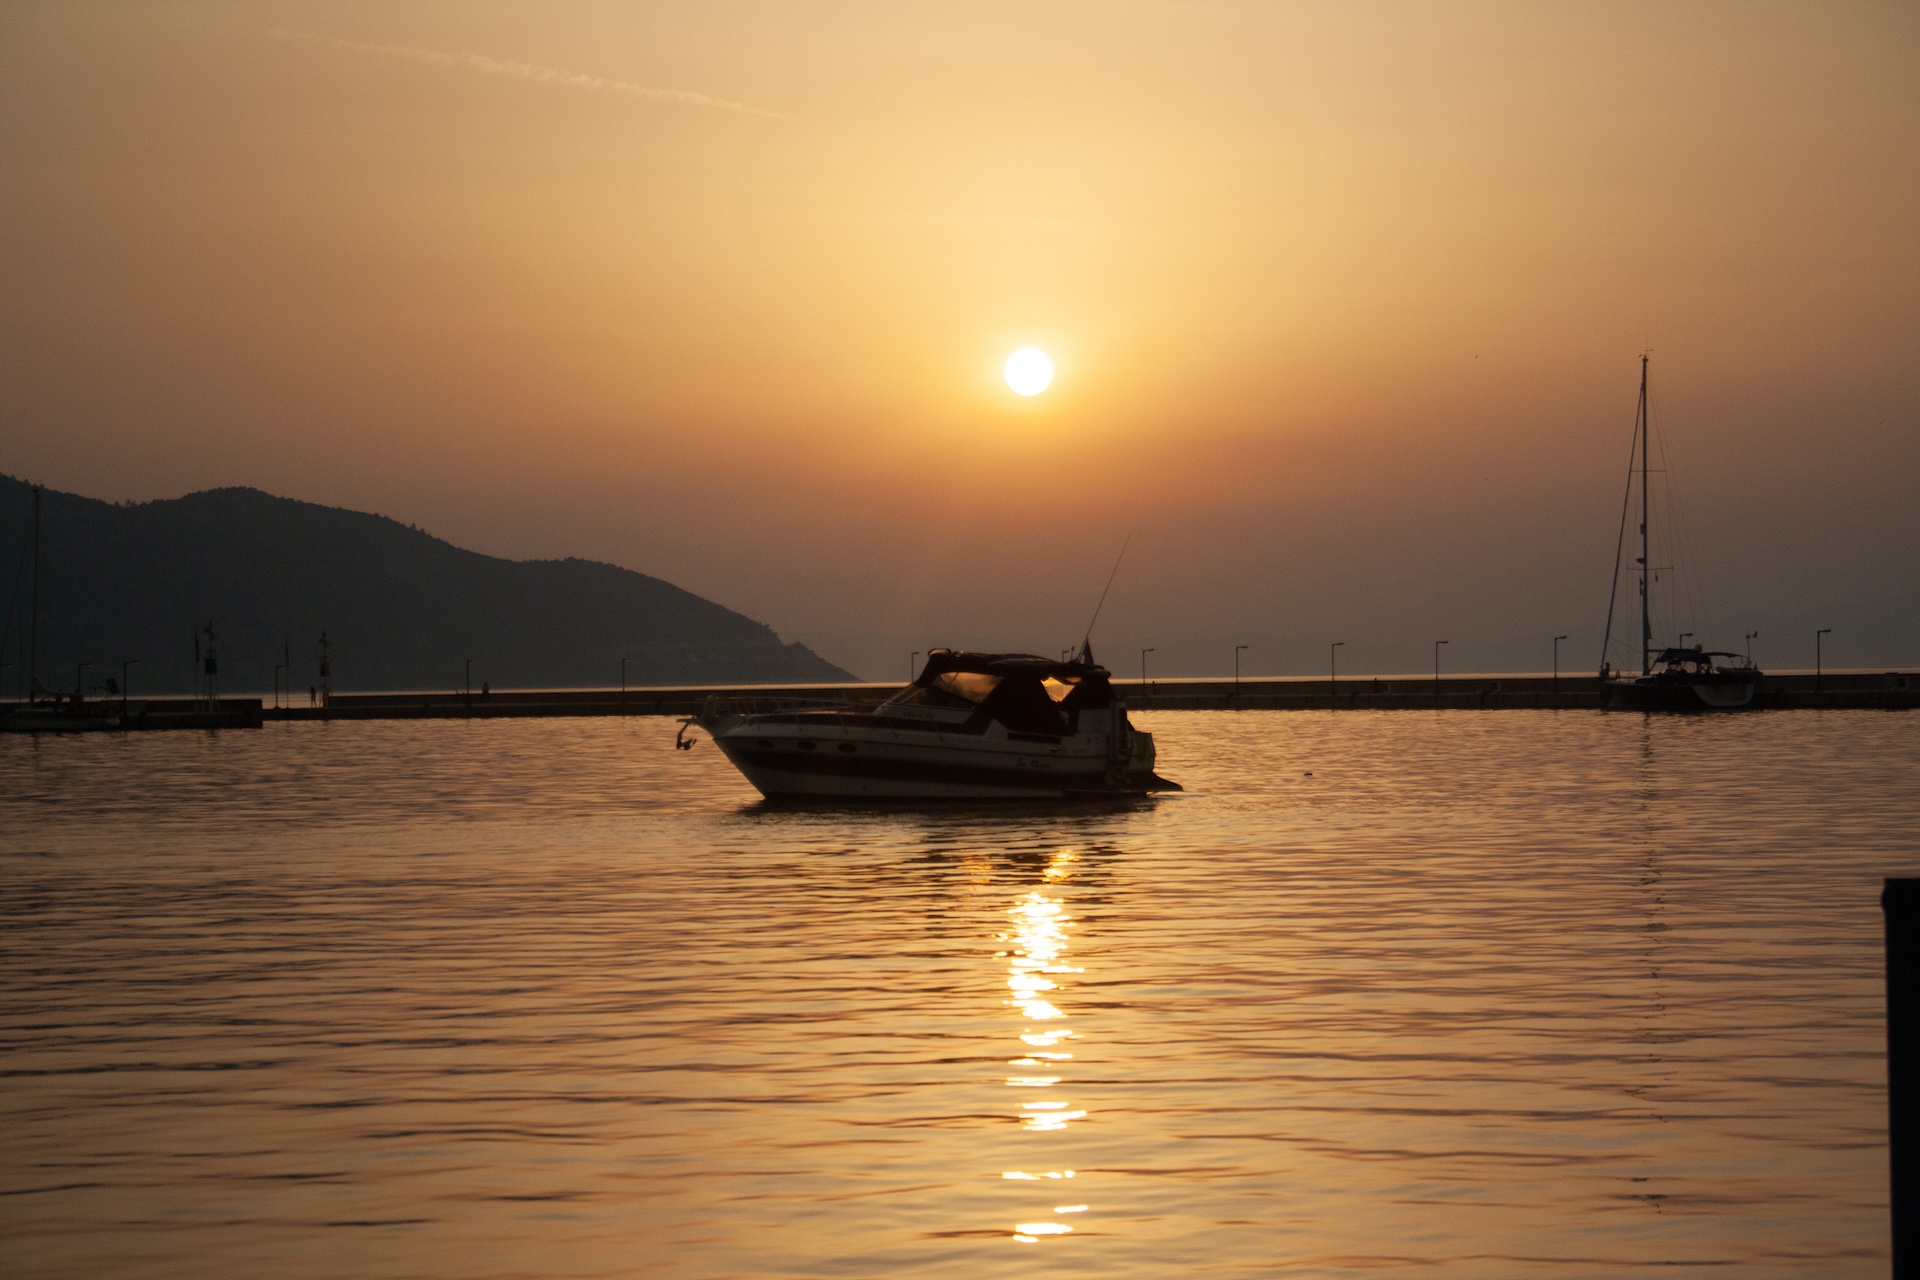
[
  {"x": 1673, "y": 657},
  {"x": 1021, "y": 690}
]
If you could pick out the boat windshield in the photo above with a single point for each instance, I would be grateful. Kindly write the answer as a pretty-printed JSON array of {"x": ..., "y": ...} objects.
[
  {"x": 950, "y": 689},
  {"x": 1024, "y": 692}
]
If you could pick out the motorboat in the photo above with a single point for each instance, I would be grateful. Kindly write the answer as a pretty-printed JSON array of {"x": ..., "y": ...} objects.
[
  {"x": 1671, "y": 678},
  {"x": 986, "y": 726}
]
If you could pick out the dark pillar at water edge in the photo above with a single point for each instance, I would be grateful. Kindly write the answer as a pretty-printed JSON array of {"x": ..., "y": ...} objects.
[{"x": 1900, "y": 900}]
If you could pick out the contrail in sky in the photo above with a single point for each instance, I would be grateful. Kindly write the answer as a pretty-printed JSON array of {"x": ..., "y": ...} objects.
[{"x": 528, "y": 71}]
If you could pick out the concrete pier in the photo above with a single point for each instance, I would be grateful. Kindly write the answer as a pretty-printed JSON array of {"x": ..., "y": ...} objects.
[
  {"x": 143, "y": 714},
  {"x": 1787, "y": 691}
]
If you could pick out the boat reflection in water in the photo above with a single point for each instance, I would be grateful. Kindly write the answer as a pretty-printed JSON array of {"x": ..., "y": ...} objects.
[{"x": 1036, "y": 964}]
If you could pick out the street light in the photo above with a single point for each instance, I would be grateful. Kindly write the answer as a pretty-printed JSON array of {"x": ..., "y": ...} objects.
[
  {"x": 469, "y": 679},
  {"x": 1683, "y": 640},
  {"x": 130, "y": 662},
  {"x": 1236, "y": 669},
  {"x": 278, "y": 667},
  {"x": 1751, "y": 637},
  {"x": 1436, "y": 670},
  {"x": 80, "y": 683},
  {"x": 1816, "y": 655},
  {"x": 913, "y": 660},
  {"x": 1143, "y": 673},
  {"x": 1333, "y": 664},
  {"x": 623, "y": 685},
  {"x": 1556, "y": 665}
]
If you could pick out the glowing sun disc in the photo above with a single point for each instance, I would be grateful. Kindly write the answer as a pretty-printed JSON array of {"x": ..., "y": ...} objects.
[{"x": 1029, "y": 371}]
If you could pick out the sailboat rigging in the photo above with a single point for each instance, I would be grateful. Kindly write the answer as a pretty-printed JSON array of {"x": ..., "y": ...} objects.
[{"x": 1673, "y": 678}]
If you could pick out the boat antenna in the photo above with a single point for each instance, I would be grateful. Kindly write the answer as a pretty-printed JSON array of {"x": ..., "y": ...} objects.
[{"x": 1086, "y": 642}]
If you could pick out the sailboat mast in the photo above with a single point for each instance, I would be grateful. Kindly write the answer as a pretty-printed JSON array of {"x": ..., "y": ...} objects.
[{"x": 1646, "y": 621}]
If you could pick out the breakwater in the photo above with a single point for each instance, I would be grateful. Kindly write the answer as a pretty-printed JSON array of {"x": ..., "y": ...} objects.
[
  {"x": 72, "y": 716},
  {"x": 1786, "y": 691}
]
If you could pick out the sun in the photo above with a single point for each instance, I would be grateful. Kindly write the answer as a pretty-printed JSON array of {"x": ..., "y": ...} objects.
[{"x": 1029, "y": 371}]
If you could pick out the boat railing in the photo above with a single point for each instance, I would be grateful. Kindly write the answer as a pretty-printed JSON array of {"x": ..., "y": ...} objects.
[{"x": 737, "y": 704}]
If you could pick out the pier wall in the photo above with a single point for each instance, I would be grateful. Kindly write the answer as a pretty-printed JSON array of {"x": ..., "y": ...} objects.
[{"x": 1788, "y": 691}]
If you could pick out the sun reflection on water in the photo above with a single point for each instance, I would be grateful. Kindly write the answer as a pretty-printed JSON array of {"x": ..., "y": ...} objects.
[{"x": 1036, "y": 963}]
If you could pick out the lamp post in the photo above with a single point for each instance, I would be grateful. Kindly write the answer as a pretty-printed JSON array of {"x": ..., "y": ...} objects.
[
  {"x": 623, "y": 684},
  {"x": 1236, "y": 669},
  {"x": 1436, "y": 670},
  {"x": 277, "y": 669},
  {"x": 913, "y": 661},
  {"x": 80, "y": 682},
  {"x": 1333, "y": 665},
  {"x": 130, "y": 662},
  {"x": 1751, "y": 637},
  {"x": 1683, "y": 640},
  {"x": 1144, "y": 693},
  {"x": 1556, "y": 665},
  {"x": 469, "y": 680},
  {"x": 1816, "y": 655}
]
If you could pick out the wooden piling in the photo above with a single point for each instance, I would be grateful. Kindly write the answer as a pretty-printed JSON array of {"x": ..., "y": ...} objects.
[{"x": 1900, "y": 901}]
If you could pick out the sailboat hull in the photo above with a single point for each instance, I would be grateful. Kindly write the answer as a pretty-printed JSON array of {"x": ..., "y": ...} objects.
[{"x": 1683, "y": 691}]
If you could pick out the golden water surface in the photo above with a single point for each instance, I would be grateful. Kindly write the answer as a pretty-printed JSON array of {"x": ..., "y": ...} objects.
[{"x": 1437, "y": 994}]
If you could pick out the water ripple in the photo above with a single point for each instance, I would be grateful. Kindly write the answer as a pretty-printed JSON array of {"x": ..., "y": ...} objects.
[{"x": 1473, "y": 994}]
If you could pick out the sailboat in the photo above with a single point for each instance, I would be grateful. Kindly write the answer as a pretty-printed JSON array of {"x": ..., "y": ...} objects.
[{"x": 1671, "y": 677}]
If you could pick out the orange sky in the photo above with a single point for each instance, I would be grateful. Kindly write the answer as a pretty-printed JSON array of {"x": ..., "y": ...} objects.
[{"x": 1346, "y": 303}]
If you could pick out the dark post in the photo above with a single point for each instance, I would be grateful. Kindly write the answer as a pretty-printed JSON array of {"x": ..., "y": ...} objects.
[
  {"x": 1333, "y": 667},
  {"x": 1900, "y": 900},
  {"x": 1144, "y": 695},
  {"x": 1436, "y": 671},
  {"x": 623, "y": 686},
  {"x": 130, "y": 662},
  {"x": 1236, "y": 669},
  {"x": 33, "y": 633},
  {"x": 913, "y": 663},
  {"x": 1816, "y": 656},
  {"x": 1556, "y": 665},
  {"x": 1750, "y": 638}
]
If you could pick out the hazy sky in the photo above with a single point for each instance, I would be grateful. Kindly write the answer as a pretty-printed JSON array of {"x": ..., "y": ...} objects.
[{"x": 1346, "y": 302}]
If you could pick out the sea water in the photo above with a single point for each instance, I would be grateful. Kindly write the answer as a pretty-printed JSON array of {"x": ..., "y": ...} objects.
[{"x": 1446, "y": 994}]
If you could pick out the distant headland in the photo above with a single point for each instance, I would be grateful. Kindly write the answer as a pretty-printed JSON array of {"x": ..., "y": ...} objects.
[{"x": 401, "y": 609}]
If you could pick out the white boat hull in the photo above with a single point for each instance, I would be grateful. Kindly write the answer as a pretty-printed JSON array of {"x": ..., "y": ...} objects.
[{"x": 861, "y": 756}]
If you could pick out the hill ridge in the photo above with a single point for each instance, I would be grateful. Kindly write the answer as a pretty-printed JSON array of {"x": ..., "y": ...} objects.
[{"x": 402, "y": 607}]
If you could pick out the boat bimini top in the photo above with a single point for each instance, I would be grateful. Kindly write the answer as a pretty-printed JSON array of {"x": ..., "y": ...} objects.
[
  {"x": 1024, "y": 692},
  {"x": 1701, "y": 658}
]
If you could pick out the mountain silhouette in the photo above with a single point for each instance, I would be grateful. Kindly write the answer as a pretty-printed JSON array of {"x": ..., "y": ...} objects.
[{"x": 401, "y": 608}]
